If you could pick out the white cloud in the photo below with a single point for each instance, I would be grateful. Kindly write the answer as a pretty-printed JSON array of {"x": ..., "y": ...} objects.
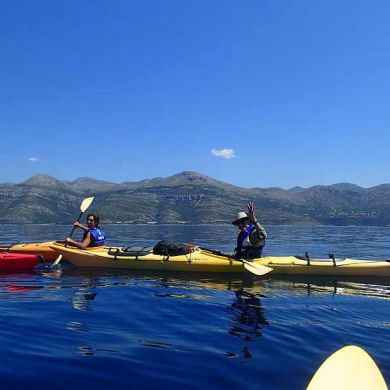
[
  {"x": 224, "y": 153},
  {"x": 33, "y": 159}
]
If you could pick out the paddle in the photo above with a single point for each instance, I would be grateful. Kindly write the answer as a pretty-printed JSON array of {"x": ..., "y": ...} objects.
[
  {"x": 349, "y": 368},
  {"x": 83, "y": 207},
  {"x": 256, "y": 269}
]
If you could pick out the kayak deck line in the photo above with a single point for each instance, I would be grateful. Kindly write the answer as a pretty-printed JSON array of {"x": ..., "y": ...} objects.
[{"x": 327, "y": 263}]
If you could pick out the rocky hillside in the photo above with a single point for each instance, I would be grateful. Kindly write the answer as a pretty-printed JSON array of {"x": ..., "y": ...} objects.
[{"x": 190, "y": 197}]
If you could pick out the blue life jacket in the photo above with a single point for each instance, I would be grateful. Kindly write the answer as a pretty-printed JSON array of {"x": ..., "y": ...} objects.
[
  {"x": 242, "y": 251},
  {"x": 98, "y": 237}
]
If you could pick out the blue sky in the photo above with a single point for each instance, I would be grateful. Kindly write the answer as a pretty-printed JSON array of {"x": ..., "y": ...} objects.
[{"x": 296, "y": 92}]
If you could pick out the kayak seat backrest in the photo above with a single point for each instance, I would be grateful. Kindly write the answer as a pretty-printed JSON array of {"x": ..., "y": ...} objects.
[{"x": 131, "y": 251}]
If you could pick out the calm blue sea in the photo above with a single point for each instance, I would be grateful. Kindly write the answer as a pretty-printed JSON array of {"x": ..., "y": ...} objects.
[{"x": 110, "y": 329}]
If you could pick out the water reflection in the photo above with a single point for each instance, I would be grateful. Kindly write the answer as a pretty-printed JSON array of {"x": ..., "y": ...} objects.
[
  {"x": 85, "y": 294},
  {"x": 243, "y": 285},
  {"x": 248, "y": 320},
  {"x": 249, "y": 313},
  {"x": 375, "y": 287},
  {"x": 86, "y": 282},
  {"x": 77, "y": 326},
  {"x": 162, "y": 279},
  {"x": 81, "y": 300},
  {"x": 245, "y": 319},
  {"x": 87, "y": 350}
]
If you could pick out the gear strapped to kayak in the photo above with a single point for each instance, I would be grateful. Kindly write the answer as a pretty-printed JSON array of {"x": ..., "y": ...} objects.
[
  {"x": 167, "y": 248},
  {"x": 162, "y": 248}
]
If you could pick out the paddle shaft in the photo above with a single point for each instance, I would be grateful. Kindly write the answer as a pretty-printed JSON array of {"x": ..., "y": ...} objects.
[
  {"x": 59, "y": 258},
  {"x": 257, "y": 269},
  {"x": 74, "y": 228},
  {"x": 83, "y": 207}
]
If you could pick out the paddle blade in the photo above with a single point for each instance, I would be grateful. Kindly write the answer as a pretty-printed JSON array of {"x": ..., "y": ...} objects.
[
  {"x": 86, "y": 203},
  {"x": 57, "y": 260},
  {"x": 349, "y": 368},
  {"x": 257, "y": 269}
]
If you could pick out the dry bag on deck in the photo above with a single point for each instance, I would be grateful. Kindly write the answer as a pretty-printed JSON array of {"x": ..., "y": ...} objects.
[{"x": 166, "y": 248}]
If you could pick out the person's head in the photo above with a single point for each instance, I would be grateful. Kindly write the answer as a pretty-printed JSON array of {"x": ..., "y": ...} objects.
[
  {"x": 242, "y": 221},
  {"x": 93, "y": 220}
]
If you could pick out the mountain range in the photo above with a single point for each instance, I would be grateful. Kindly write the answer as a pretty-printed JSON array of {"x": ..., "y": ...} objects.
[{"x": 191, "y": 197}]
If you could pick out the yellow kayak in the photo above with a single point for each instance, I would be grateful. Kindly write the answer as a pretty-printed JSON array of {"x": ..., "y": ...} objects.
[
  {"x": 349, "y": 368},
  {"x": 144, "y": 259},
  {"x": 201, "y": 260},
  {"x": 35, "y": 248}
]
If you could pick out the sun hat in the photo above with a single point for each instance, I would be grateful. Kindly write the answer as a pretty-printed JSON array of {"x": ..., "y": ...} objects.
[{"x": 241, "y": 215}]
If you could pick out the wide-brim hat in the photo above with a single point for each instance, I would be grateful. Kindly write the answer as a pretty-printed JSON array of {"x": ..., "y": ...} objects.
[{"x": 240, "y": 216}]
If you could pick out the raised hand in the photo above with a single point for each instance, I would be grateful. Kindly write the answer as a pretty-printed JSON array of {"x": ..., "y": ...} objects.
[{"x": 251, "y": 211}]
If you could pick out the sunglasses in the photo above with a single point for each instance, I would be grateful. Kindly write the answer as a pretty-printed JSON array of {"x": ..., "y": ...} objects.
[{"x": 90, "y": 220}]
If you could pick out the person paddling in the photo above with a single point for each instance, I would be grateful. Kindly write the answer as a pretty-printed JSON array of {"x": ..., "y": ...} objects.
[
  {"x": 93, "y": 236},
  {"x": 252, "y": 236}
]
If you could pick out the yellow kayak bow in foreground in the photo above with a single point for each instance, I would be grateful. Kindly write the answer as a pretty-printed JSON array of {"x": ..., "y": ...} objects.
[{"x": 349, "y": 368}]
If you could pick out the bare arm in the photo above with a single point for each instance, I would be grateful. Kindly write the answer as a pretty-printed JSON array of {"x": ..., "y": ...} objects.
[
  {"x": 77, "y": 224},
  {"x": 82, "y": 245},
  {"x": 251, "y": 215}
]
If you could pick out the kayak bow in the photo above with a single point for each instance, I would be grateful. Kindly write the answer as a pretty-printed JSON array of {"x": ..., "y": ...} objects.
[
  {"x": 42, "y": 249},
  {"x": 349, "y": 368}
]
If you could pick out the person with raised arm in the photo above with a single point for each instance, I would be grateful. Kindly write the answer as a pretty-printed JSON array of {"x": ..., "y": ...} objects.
[{"x": 252, "y": 236}]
